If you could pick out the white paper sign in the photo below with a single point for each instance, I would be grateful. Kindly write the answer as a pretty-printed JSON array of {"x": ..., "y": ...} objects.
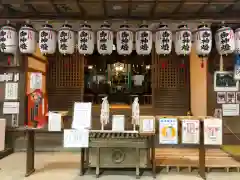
[
  {"x": 76, "y": 138},
  {"x": 11, "y": 108},
  {"x": 118, "y": 123},
  {"x": 35, "y": 81},
  {"x": 213, "y": 131},
  {"x": 148, "y": 125},
  {"x": 230, "y": 109},
  {"x": 190, "y": 131},
  {"x": 11, "y": 91},
  {"x": 54, "y": 121},
  {"x": 82, "y": 115},
  {"x": 168, "y": 131}
]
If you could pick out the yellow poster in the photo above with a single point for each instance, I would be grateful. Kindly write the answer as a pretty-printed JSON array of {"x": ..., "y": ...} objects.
[{"x": 168, "y": 131}]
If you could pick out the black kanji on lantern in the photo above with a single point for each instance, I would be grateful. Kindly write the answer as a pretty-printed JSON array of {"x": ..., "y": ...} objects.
[
  {"x": 63, "y": 40},
  {"x": 205, "y": 41},
  {"x": 144, "y": 41},
  {"x": 103, "y": 40},
  {"x": 124, "y": 40},
  {"x": 44, "y": 40},
  {"x": 23, "y": 40},
  {"x": 224, "y": 41},
  {"x": 2, "y": 40},
  {"x": 165, "y": 41},
  {"x": 185, "y": 41},
  {"x": 83, "y": 40}
]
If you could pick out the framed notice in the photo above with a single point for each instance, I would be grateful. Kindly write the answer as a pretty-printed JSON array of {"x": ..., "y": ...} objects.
[
  {"x": 35, "y": 81},
  {"x": 230, "y": 109},
  {"x": 168, "y": 131},
  {"x": 82, "y": 115},
  {"x": 213, "y": 131},
  {"x": 11, "y": 108},
  {"x": 147, "y": 125},
  {"x": 224, "y": 81},
  {"x": 11, "y": 91},
  {"x": 74, "y": 138},
  {"x": 221, "y": 97},
  {"x": 190, "y": 131}
]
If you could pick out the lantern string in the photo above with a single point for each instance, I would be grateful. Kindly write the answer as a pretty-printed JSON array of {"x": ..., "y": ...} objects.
[{"x": 221, "y": 63}]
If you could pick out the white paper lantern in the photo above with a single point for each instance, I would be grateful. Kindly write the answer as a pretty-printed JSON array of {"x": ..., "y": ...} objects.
[
  {"x": 47, "y": 39},
  {"x": 225, "y": 41},
  {"x": 143, "y": 40},
  {"x": 27, "y": 39},
  {"x": 85, "y": 40},
  {"x": 237, "y": 41},
  {"x": 66, "y": 40},
  {"x": 124, "y": 40},
  {"x": 105, "y": 39},
  {"x": 163, "y": 40},
  {"x": 183, "y": 40},
  {"x": 8, "y": 39},
  {"x": 203, "y": 40}
]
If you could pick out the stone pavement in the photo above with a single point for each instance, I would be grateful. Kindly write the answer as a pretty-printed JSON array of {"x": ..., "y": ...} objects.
[{"x": 64, "y": 166}]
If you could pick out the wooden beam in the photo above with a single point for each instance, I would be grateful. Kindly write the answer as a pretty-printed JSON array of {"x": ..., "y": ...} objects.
[
  {"x": 104, "y": 8},
  {"x": 32, "y": 8},
  {"x": 55, "y": 7},
  {"x": 129, "y": 7},
  {"x": 177, "y": 9},
  {"x": 154, "y": 7},
  {"x": 230, "y": 6},
  {"x": 231, "y": 16},
  {"x": 201, "y": 9},
  {"x": 81, "y": 9}
]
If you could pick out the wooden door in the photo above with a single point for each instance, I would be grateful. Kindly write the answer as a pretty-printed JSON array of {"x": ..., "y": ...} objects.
[
  {"x": 170, "y": 85},
  {"x": 65, "y": 81}
]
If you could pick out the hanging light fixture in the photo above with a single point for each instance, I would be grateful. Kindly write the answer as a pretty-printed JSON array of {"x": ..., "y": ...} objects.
[
  {"x": 143, "y": 40},
  {"x": 225, "y": 41},
  {"x": 66, "y": 39},
  {"x": 47, "y": 39},
  {"x": 203, "y": 42},
  {"x": 85, "y": 39},
  {"x": 8, "y": 39},
  {"x": 183, "y": 40},
  {"x": 27, "y": 39},
  {"x": 124, "y": 40},
  {"x": 105, "y": 39},
  {"x": 163, "y": 40}
]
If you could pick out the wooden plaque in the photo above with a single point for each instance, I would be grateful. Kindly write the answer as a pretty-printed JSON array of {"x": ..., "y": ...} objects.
[{"x": 147, "y": 125}]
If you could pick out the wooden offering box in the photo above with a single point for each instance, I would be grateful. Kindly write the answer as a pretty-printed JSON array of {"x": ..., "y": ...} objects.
[{"x": 118, "y": 150}]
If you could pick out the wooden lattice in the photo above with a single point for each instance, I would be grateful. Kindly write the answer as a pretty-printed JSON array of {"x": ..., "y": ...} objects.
[
  {"x": 65, "y": 80},
  {"x": 170, "y": 84}
]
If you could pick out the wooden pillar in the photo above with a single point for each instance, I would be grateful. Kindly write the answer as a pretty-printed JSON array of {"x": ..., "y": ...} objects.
[{"x": 198, "y": 85}]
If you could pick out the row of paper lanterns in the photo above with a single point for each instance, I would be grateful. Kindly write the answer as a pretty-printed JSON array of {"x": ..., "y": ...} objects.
[{"x": 226, "y": 40}]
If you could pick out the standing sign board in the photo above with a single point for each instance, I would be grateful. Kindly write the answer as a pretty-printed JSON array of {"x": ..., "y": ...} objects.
[
  {"x": 213, "y": 131},
  {"x": 78, "y": 136},
  {"x": 74, "y": 138},
  {"x": 190, "y": 131},
  {"x": 147, "y": 125},
  {"x": 168, "y": 131},
  {"x": 82, "y": 115}
]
